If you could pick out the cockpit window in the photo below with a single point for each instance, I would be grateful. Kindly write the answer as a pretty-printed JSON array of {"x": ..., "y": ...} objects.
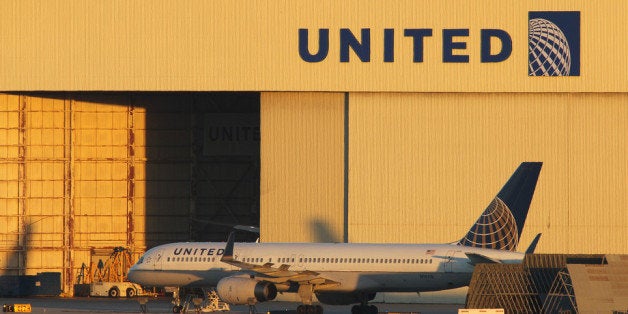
[{"x": 141, "y": 260}]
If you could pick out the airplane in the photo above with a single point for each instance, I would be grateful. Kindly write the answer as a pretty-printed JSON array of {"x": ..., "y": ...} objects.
[{"x": 345, "y": 273}]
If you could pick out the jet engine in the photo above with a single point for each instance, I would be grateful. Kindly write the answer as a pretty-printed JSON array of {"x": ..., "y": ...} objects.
[{"x": 242, "y": 290}]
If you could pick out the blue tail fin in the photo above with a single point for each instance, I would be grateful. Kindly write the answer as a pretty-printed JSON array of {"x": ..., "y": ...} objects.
[{"x": 500, "y": 225}]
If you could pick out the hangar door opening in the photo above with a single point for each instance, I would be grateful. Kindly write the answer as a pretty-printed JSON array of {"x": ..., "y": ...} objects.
[
  {"x": 203, "y": 164},
  {"x": 85, "y": 173}
]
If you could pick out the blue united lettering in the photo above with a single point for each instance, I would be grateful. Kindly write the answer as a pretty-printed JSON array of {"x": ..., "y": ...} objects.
[
  {"x": 234, "y": 133},
  {"x": 198, "y": 251},
  {"x": 354, "y": 44}
]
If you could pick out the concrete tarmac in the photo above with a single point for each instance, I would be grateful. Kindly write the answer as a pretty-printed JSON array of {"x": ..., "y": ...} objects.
[{"x": 163, "y": 305}]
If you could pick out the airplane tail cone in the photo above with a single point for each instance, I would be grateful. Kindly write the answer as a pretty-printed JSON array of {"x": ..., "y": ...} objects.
[{"x": 500, "y": 225}]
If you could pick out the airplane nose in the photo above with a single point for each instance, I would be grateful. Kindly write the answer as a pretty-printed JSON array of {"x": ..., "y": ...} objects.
[{"x": 132, "y": 274}]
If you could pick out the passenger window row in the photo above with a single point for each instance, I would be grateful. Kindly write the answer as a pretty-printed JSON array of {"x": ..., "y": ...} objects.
[
  {"x": 366, "y": 260},
  {"x": 334, "y": 260},
  {"x": 191, "y": 259},
  {"x": 311, "y": 260}
]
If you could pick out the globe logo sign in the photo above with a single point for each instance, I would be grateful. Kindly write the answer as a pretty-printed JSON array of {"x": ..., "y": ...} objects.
[
  {"x": 554, "y": 44},
  {"x": 548, "y": 49}
]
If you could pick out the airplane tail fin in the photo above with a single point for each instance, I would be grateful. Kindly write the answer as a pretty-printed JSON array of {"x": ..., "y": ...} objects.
[{"x": 500, "y": 225}]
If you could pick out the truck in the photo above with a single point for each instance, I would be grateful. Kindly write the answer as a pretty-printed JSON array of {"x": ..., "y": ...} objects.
[{"x": 115, "y": 289}]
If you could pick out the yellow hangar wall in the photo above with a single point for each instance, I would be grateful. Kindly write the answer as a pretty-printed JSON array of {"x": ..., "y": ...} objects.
[
  {"x": 428, "y": 164},
  {"x": 302, "y": 167},
  {"x": 422, "y": 167},
  {"x": 163, "y": 45}
]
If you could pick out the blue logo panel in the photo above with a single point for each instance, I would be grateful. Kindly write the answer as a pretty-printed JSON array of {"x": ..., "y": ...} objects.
[{"x": 554, "y": 43}]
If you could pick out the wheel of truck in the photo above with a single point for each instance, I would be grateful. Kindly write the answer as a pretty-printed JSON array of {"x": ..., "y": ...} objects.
[
  {"x": 130, "y": 292},
  {"x": 114, "y": 292}
]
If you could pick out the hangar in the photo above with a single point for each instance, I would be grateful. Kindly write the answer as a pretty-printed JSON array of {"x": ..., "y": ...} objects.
[{"x": 134, "y": 124}]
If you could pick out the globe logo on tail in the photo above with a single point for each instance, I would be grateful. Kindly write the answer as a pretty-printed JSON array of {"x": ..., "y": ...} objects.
[{"x": 495, "y": 229}]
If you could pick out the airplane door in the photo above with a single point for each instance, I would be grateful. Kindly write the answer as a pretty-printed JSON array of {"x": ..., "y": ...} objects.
[
  {"x": 158, "y": 260},
  {"x": 449, "y": 263}
]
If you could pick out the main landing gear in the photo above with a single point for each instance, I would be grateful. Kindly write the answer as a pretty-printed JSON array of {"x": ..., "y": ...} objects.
[
  {"x": 306, "y": 292},
  {"x": 364, "y": 309},
  {"x": 356, "y": 309},
  {"x": 309, "y": 309}
]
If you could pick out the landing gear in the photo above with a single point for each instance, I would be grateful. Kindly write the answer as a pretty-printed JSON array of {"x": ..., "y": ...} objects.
[
  {"x": 309, "y": 309},
  {"x": 306, "y": 292},
  {"x": 252, "y": 309},
  {"x": 205, "y": 300},
  {"x": 364, "y": 309},
  {"x": 176, "y": 301}
]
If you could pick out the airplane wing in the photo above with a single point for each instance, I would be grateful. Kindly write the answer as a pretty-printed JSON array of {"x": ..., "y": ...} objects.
[
  {"x": 272, "y": 273},
  {"x": 481, "y": 259}
]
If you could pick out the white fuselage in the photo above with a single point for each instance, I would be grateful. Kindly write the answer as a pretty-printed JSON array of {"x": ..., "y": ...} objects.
[{"x": 357, "y": 267}]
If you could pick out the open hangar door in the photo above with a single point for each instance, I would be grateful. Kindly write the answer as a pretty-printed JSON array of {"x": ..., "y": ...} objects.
[
  {"x": 203, "y": 165},
  {"x": 88, "y": 172}
]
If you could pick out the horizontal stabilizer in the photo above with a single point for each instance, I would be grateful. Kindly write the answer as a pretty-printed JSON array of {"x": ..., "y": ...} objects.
[
  {"x": 481, "y": 259},
  {"x": 533, "y": 244}
]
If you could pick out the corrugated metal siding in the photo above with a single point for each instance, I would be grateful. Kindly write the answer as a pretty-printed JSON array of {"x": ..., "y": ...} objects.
[
  {"x": 302, "y": 167},
  {"x": 426, "y": 165},
  {"x": 243, "y": 45},
  {"x": 598, "y": 173}
]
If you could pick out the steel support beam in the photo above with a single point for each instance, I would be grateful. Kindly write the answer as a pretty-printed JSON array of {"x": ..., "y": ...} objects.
[
  {"x": 68, "y": 198},
  {"x": 130, "y": 199},
  {"x": 195, "y": 150},
  {"x": 22, "y": 228}
]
